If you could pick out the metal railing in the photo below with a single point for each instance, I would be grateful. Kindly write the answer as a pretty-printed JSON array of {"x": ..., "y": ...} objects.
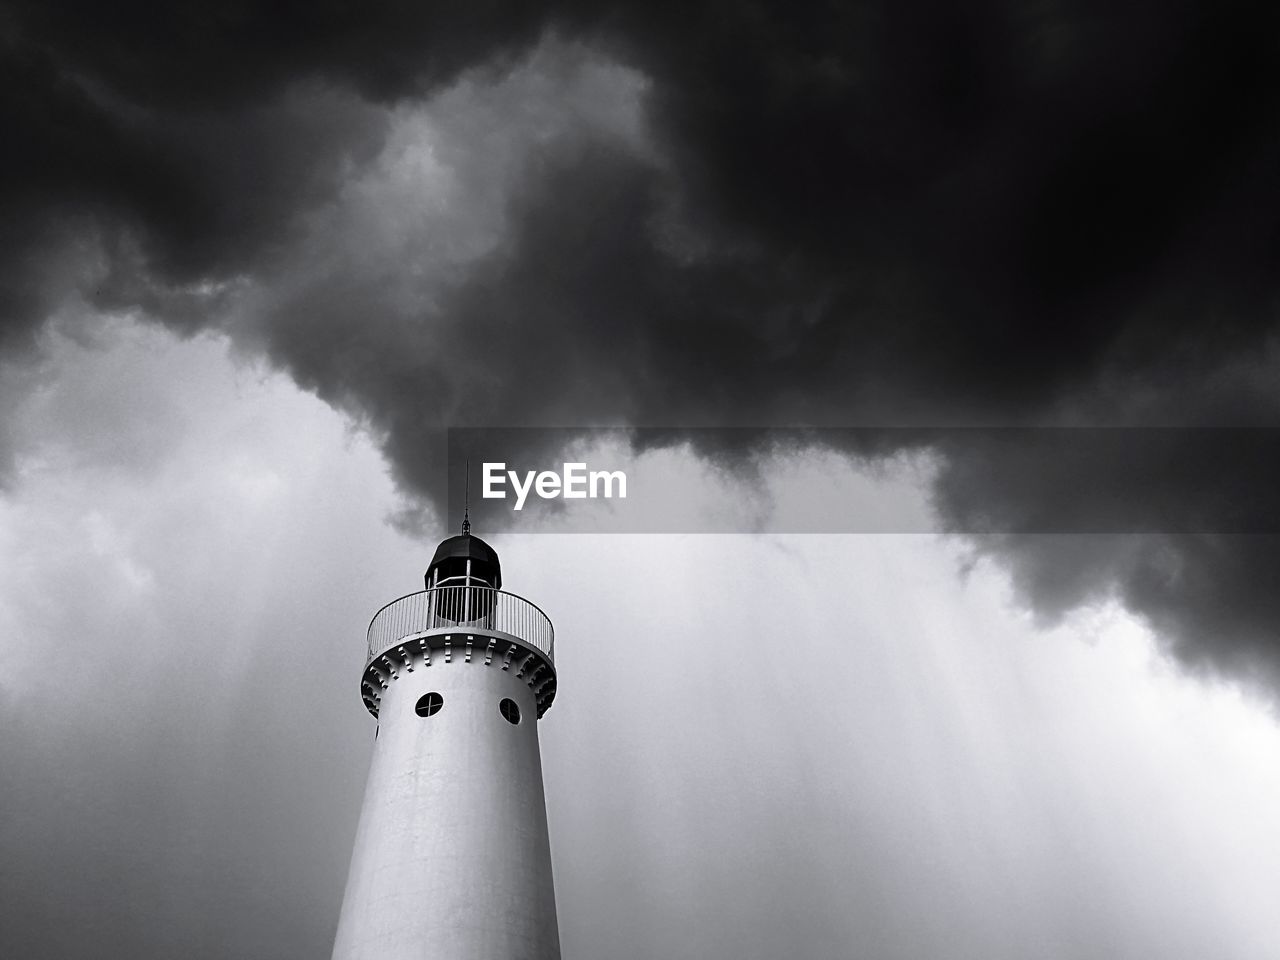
[{"x": 460, "y": 608}]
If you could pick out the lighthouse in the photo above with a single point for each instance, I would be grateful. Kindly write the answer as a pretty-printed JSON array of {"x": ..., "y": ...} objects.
[{"x": 452, "y": 859}]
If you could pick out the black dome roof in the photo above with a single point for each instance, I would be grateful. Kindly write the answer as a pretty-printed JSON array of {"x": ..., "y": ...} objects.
[{"x": 453, "y": 553}]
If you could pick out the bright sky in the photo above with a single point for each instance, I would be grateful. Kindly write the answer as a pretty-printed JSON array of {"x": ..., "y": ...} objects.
[{"x": 762, "y": 746}]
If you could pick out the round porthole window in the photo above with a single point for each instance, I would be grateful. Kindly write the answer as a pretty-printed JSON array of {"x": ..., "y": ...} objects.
[
  {"x": 428, "y": 704},
  {"x": 510, "y": 712}
]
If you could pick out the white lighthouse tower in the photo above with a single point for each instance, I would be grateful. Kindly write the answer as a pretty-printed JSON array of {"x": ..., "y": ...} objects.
[{"x": 452, "y": 859}]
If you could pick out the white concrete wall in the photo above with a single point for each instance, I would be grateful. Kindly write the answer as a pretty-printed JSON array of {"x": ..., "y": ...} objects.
[{"x": 452, "y": 859}]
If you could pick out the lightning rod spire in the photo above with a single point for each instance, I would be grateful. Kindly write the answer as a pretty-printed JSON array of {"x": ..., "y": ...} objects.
[{"x": 466, "y": 503}]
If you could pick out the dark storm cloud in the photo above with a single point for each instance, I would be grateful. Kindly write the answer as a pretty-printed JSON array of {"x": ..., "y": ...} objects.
[
  {"x": 830, "y": 214},
  {"x": 1179, "y": 524}
]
